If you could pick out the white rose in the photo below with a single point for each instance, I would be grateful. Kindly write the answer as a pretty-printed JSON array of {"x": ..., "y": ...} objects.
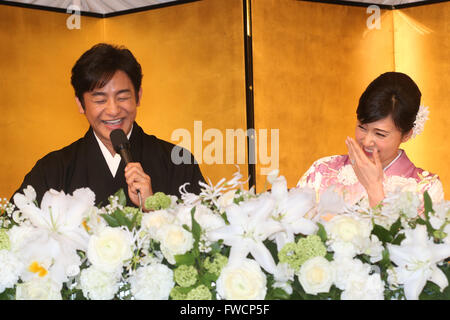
[
  {"x": 108, "y": 249},
  {"x": 39, "y": 289},
  {"x": 316, "y": 275},
  {"x": 174, "y": 240},
  {"x": 98, "y": 285},
  {"x": 154, "y": 220},
  {"x": 348, "y": 229},
  {"x": 152, "y": 282},
  {"x": 243, "y": 280}
]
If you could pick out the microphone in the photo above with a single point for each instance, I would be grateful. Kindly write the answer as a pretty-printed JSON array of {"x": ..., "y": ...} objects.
[{"x": 122, "y": 146}]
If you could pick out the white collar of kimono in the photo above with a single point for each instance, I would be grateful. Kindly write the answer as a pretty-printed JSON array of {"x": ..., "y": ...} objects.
[
  {"x": 400, "y": 151},
  {"x": 112, "y": 162}
]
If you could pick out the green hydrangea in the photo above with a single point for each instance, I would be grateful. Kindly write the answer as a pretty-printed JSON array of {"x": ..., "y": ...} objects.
[
  {"x": 310, "y": 247},
  {"x": 295, "y": 254},
  {"x": 199, "y": 293},
  {"x": 185, "y": 276},
  {"x": 131, "y": 211},
  {"x": 177, "y": 293},
  {"x": 288, "y": 255},
  {"x": 5, "y": 244},
  {"x": 158, "y": 201},
  {"x": 215, "y": 266}
]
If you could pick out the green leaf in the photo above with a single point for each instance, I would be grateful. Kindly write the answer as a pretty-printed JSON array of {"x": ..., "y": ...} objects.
[
  {"x": 187, "y": 259},
  {"x": 112, "y": 222},
  {"x": 395, "y": 228},
  {"x": 386, "y": 259},
  {"x": 272, "y": 247},
  {"x": 134, "y": 220},
  {"x": 398, "y": 240},
  {"x": 428, "y": 204},
  {"x": 207, "y": 278},
  {"x": 120, "y": 217},
  {"x": 196, "y": 232},
  {"x": 8, "y": 294},
  {"x": 122, "y": 197},
  {"x": 322, "y": 233},
  {"x": 277, "y": 294},
  {"x": 382, "y": 233}
]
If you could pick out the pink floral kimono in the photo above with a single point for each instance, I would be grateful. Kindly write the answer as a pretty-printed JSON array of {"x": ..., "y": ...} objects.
[{"x": 400, "y": 175}]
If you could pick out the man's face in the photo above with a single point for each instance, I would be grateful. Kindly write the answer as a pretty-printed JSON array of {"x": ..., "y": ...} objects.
[{"x": 111, "y": 107}]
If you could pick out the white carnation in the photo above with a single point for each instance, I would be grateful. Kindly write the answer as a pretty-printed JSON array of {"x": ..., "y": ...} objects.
[
  {"x": 316, "y": 275},
  {"x": 39, "y": 289},
  {"x": 346, "y": 267},
  {"x": 98, "y": 285},
  {"x": 362, "y": 286},
  {"x": 174, "y": 240},
  {"x": 10, "y": 270},
  {"x": 19, "y": 236},
  {"x": 110, "y": 248},
  {"x": 346, "y": 175},
  {"x": 405, "y": 204},
  {"x": 152, "y": 282},
  {"x": 242, "y": 280}
]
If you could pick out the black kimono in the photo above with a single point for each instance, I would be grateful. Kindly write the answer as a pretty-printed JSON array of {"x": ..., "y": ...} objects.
[{"x": 82, "y": 164}]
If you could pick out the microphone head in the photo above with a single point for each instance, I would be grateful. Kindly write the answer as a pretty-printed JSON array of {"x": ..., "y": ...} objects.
[{"x": 119, "y": 140}]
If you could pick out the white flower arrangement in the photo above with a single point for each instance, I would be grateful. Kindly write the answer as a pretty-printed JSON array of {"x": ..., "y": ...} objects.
[{"x": 198, "y": 248}]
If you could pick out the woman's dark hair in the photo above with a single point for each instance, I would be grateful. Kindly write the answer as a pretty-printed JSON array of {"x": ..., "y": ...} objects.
[
  {"x": 98, "y": 65},
  {"x": 394, "y": 94}
]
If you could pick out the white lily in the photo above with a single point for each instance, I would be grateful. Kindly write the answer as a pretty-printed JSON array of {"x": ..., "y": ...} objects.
[
  {"x": 250, "y": 224},
  {"x": 57, "y": 228},
  {"x": 416, "y": 260},
  {"x": 291, "y": 208}
]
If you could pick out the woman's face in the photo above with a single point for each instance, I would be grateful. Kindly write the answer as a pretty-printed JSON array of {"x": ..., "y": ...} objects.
[{"x": 382, "y": 135}]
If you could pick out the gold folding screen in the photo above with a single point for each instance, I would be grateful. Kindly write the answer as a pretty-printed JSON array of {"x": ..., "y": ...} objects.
[
  {"x": 311, "y": 62},
  {"x": 193, "y": 64}
]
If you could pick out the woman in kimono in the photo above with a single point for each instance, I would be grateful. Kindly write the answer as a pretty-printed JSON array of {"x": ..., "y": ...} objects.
[{"x": 388, "y": 114}]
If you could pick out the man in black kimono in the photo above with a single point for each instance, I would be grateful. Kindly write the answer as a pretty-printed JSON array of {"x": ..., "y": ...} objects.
[{"x": 107, "y": 83}]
